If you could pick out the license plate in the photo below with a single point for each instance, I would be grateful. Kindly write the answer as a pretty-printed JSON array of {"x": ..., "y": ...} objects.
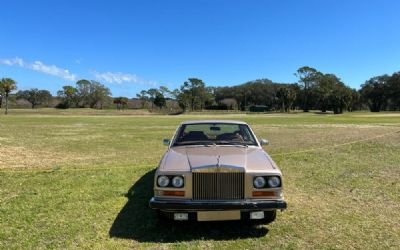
[{"x": 218, "y": 215}]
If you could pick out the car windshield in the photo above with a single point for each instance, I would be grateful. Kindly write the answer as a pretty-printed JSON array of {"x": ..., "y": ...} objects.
[{"x": 214, "y": 133}]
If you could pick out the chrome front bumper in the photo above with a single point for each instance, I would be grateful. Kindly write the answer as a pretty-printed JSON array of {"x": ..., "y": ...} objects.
[{"x": 217, "y": 205}]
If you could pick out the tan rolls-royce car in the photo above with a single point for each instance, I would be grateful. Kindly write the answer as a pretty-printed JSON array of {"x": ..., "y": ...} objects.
[{"x": 217, "y": 170}]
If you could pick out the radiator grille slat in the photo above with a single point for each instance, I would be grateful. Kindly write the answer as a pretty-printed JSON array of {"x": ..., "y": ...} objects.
[{"x": 218, "y": 186}]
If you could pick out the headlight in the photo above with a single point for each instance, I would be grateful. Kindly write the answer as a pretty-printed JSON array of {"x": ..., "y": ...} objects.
[
  {"x": 177, "y": 181},
  {"x": 274, "y": 181},
  {"x": 162, "y": 181},
  {"x": 259, "y": 182}
]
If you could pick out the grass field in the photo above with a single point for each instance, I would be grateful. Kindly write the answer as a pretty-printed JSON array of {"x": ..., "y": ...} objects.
[{"x": 82, "y": 179}]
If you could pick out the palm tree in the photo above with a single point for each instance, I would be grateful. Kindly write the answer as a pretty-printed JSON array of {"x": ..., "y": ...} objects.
[{"x": 7, "y": 85}]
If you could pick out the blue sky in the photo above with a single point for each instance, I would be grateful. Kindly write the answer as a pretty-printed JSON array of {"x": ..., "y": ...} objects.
[{"x": 135, "y": 45}]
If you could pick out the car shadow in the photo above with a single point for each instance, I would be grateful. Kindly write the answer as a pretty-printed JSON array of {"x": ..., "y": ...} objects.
[{"x": 138, "y": 222}]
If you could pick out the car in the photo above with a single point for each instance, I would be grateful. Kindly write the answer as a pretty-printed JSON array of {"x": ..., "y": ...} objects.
[{"x": 217, "y": 170}]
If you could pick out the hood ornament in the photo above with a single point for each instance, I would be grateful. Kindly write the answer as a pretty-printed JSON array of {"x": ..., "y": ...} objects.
[{"x": 218, "y": 162}]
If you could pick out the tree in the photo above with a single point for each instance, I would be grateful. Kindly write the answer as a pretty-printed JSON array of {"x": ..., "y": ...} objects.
[
  {"x": 34, "y": 96},
  {"x": 175, "y": 93},
  {"x": 374, "y": 92},
  {"x": 209, "y": 96},
  {"x": 143, "y": 97},
  {"x": 159, "y": 100},
  {"x": 152, "y": 93},
  {"x": 307, "y": 79},
  {"x": 393, "y": 90},
  {"x": 354, "y": 101},
  {"x": 165, "y": 91},
  {"x": 322, "y": 91},
  {"x": 258, "y": 92},
  {"x": 293, "y": 89},
  {"x": 183, "y": 100},
  {"x": 83, "y": 92},
  {"x": 282, "y": 97},
  {"x": 340, "y": 98},
  {"x": 286, "y": 95},
  {"x": 69, "y": 97},
  {"x": 7, "y": 85},
  {"x": 331, "y": 93},
  {"x": 193, "y": 93},
  {"x": 121, "y": 102},
  {"x": 98, "y": 93},
  {"x": 86, "y": 93}
]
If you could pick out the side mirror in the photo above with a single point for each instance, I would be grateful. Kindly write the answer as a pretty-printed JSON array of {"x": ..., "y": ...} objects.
[
  {"x": 166, "y": 142},
  {"x": 264, "y": 142}
]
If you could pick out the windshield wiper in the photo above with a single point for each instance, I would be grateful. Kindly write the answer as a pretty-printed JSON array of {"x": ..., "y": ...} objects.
[{"x": 233, "y": 143}]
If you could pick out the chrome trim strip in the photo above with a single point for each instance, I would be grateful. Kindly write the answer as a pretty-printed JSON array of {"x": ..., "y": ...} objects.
[{"x": 220, "y": 168}]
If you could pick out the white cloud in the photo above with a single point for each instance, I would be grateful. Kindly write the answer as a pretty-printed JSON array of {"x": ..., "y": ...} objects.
[
  {"x": 40, "y": 67},
  {"x": 53, "y": 70},
  {"x": 119, "y": 77}
]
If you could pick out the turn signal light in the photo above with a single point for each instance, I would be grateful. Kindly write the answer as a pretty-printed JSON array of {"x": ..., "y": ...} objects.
[
  {"x": 173, "y": 193},
  {"x": 263, "y": 193}
]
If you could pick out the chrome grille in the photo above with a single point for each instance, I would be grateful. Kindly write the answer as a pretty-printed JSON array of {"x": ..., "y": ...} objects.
[{"x": 218, "y": 186}]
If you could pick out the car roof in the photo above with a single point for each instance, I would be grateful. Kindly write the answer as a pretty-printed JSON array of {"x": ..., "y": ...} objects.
[{"x": 213, "y": 121}]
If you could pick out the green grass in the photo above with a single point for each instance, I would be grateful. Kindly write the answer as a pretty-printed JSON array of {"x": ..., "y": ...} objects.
[{"x": 82, "y": 179}]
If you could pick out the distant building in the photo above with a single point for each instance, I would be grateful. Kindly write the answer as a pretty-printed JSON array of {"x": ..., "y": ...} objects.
[{"x": 258, "y": 108}]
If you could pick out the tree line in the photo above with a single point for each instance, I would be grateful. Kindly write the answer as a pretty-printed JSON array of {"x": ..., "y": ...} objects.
[
  {"x": 314, "y": 90},
  {"x": 382, "y": 92},
  {"x": 85, "y": 93}
]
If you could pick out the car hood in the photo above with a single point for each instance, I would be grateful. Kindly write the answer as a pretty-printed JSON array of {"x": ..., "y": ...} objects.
[{"x": 251, "y": 159}]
